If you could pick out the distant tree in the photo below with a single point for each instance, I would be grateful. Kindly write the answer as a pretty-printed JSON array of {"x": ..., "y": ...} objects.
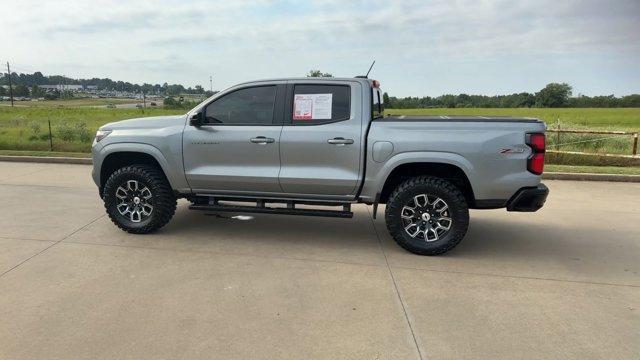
[
  {"x": 318, "y": 73},
  {"x": 52, "y": 95},
  {"x": 36, "y": 92},
  {"x": 630, "y": 101},
  {"x": 385, "y": 99},
  {"x": 2, "y": 91},
  {"x": 175, "y": 89},
  {"x": 20, "y": 90},
  {"x": 554, "y": 95}
]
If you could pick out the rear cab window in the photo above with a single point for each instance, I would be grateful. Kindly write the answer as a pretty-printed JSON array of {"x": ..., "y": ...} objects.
[
  {"x": 320, "y": 104},
  {"x": 377, "y": 106}
]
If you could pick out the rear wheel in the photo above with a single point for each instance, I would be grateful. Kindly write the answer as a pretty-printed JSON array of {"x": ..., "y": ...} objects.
[
  {"x": 427, "y": 215},
  {"x": 138, "y": 199}
]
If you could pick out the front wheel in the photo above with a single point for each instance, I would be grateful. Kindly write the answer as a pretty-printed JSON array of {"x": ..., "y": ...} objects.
[
  {"x": 427, "y": 215},
  {"x": 138, "y": 199}
]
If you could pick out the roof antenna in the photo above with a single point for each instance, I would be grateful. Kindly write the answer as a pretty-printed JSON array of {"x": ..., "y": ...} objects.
[{"x": 370, "y": 67}]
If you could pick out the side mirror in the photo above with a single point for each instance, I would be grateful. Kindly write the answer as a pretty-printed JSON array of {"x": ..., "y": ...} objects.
[{"x": 196, "y": 119}]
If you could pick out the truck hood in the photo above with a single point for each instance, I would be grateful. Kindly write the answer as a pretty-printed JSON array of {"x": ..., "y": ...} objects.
[{"x": 154, "y": 122}]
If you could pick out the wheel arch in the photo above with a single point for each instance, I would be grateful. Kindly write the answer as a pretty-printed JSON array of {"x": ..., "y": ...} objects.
[
  {"x": 445, "y": 170},
  {"x": 116, "y": 158}
]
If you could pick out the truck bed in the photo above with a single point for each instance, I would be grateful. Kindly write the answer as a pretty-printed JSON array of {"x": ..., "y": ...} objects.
[
  {"x": 458, "y": 118},
  {"x": 491, "y": 151}
]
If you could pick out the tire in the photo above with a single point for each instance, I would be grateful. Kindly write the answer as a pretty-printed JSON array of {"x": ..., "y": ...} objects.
[
  {"x": 160, "y": 206},
  {"x": 435, "y": 239}
]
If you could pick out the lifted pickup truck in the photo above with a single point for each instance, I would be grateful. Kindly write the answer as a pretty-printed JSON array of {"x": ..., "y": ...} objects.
[{"x": 270, "y": 146}]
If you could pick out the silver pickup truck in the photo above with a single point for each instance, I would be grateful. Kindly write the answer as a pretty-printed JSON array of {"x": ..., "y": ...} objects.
[{"x": 312, "y": 146}]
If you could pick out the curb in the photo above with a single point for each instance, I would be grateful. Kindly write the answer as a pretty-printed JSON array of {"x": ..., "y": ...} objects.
[
  {"x": 590, "y": 177},
  {"x": 46, "y": 159},
  {"x": 545, "y": 176}
]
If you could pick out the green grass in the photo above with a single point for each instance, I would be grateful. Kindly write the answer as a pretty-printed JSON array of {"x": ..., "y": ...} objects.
[
  {"x": 44, "y": 153},
  {"x": 574, "y": 118},
  {"x": 72, "y": 128},
  {"x": 593, "y": 169},
  {"x": 74, "y": 122},
  {"x": 619, "y": 119}
]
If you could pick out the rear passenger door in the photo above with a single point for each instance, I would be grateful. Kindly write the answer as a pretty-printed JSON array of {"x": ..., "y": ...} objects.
[{"x": 320, "y": 145}]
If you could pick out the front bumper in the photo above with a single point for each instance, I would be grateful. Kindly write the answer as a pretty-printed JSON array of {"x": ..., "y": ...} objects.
[{"x": 528, "y": 199}]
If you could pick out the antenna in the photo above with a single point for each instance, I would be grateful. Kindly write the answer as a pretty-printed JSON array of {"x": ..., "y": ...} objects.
[{"x": 370, "y": 67}]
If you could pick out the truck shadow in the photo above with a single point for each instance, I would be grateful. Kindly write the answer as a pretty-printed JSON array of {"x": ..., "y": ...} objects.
[
  {"x": 264, "y": 230},
  {"x": 488, "y": 239}
]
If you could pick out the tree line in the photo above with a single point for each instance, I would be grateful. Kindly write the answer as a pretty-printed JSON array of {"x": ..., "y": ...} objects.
[
  {"x": 22, "y": 82},
  {"x": 553, "y": 95}
]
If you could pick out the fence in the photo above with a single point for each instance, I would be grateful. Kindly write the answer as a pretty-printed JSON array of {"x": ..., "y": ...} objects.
[{"x": 572, "y": 143}]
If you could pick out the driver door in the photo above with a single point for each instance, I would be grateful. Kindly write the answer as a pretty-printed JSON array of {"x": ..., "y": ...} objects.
[{"x": 237, "y": 149}]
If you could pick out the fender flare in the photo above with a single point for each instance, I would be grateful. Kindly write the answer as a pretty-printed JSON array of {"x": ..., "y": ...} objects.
[
  {"x": 376, "y": 184},
  {"x": 142, "y": 148}
]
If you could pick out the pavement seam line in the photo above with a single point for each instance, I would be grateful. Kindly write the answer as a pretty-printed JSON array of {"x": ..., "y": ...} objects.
[
  {"x": 52, "y": 245},
  {"x": 517, "y": 277},
  {"x": 395, "y": 285},
  {"x": 2, "y": 237}
]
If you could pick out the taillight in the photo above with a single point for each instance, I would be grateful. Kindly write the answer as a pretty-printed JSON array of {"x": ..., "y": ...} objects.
[{"x": 535, "y": 162}]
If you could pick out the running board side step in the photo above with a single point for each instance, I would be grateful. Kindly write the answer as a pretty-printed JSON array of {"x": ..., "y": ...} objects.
[{"x": 261, "y": 207}]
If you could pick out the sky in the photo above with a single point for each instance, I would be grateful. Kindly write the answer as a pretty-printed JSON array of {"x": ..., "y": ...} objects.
[{"x": 421, "y": 47}]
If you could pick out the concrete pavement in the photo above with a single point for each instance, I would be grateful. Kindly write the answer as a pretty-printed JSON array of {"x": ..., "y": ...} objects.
[{"x": 561, "y": 283}]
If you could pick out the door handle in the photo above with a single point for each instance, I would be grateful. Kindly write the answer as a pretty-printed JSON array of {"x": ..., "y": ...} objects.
[
  {"x": 340, "y": 141},
  {"x": 262, "y": 140}
]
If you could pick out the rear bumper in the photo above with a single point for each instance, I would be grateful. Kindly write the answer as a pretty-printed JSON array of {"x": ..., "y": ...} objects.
[{"x": 528, "y": 199}]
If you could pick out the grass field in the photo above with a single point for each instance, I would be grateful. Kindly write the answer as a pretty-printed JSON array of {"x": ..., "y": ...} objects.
[
  {"x": 569, "y": 118},
  {"x": 26, "y": 128},
  {"x": 593, "y": 169},
  {"x": 618, "y": 119},
  {"x": 74, "y": 122}
]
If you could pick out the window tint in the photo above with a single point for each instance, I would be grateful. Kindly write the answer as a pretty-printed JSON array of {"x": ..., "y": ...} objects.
[
  {"x": 250, "y": 106},
  {"x": 321, "y": 103}
]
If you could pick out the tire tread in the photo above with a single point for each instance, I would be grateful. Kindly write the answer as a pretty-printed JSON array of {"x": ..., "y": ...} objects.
[
  {"x": 165, "y": 201},
  {"x": 391, "y": 217}
]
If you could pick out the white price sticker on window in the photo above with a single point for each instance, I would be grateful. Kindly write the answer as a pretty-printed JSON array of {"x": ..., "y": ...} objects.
[{"x": 312, "y": 106}]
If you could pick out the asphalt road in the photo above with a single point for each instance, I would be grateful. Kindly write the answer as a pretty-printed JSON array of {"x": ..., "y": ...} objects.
[{"x": 562, "y": 283}]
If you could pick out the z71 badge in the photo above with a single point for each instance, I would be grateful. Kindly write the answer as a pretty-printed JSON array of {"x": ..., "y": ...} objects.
[{"x": 511, "y": 151}]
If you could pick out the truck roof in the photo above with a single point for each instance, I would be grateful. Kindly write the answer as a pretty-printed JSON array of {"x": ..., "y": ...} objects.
[{"x": 310, "y": 79}]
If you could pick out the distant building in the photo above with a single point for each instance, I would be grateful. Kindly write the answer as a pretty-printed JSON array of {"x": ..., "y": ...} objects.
[{"x": 62, "y": 87}]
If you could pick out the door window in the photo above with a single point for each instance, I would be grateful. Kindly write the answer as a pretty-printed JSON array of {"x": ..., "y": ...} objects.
[
  {"x": 249, "y": 106},
  {"x": 321, "y": 104}
]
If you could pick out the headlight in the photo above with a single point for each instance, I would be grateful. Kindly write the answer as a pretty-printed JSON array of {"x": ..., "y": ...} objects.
[{"x": 101, "y": 134}]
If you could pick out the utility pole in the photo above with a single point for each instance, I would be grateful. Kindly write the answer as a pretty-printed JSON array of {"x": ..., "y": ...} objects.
[
  {"x": 10, "y": 85},
  {"x": 211, "y": 83}
]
